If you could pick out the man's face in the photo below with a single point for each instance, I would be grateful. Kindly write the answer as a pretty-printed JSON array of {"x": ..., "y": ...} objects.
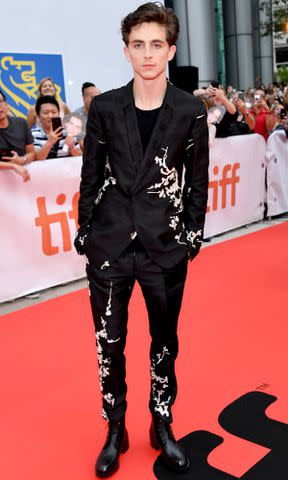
[
  {"x": 89, "y": 93},
  {"x": 47, "y": 112},
  {"x": 148, "y": 50},
  {"x": 3, "y": 108}
]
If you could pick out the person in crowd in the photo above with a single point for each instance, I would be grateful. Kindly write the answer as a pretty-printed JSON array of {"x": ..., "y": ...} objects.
[
  {"x": 137, "y": 222},
  {"x": 280, "y": 115},
  {"x": 51, "y": 143},
  {"x": 243, "y": 123},
  {"x": 217, "y": 95},
  {"x": 262, "y": 120},
  {"x": 16, "y": 142},
  {"x": 46, "y": 87},
  {"x": 89, "y": 91},
  {"x": 230, "y": 92}
]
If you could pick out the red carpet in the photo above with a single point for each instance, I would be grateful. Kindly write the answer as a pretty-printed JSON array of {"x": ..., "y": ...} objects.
[{"x": 233, "y": 340}]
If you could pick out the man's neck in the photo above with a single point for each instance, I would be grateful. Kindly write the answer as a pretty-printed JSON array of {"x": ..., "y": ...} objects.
[
  {"x": 4, "y": 123},
  {"x": 149, "y": 94}
]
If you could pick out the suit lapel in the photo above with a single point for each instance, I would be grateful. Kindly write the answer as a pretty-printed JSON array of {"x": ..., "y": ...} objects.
[{"x": 132, "y": 129}]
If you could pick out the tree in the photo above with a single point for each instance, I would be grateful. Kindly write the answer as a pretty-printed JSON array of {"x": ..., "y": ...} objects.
[{"x": 276, "y": 18}]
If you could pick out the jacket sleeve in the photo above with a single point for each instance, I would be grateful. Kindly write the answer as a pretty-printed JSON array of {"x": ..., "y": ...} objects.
[
  {"x": 92, "y": 175},
  {"x": 195, "y": 191}
]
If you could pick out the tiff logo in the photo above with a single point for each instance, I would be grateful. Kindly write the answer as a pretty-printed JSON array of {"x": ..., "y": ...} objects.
[
  {"x": 228, "y": 178},
  {"x": 45, "y": 220}
]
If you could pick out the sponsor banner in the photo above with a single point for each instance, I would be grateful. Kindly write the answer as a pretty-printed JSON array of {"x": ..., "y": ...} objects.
[
  {"x": 236, "y": 183},
  {"x": 39, "y": 218},
  {"x": 20, "y": 74},
  {"x": 277, "y": 173}
]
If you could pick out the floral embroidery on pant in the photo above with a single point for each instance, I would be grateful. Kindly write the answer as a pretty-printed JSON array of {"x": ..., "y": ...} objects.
[
  {"x": 104, "y": 360},
  {"x": 159, "y": 385}
]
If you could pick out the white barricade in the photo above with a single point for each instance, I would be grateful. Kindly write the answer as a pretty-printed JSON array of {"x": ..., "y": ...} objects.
[
  {"x": 38, "y": 224},
  {"x": 38, "y": 218},
  {"x": 236, "y": 183},
  {"x": 277, "y": 173}
]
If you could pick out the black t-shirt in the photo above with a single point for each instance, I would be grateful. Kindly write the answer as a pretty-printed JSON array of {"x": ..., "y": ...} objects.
[
  {"x": 146, "y": 122},
  {"x": 16, "y": 136}
]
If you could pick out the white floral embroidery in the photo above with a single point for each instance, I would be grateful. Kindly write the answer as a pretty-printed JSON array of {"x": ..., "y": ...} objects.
[
  {"x": 159, "y": 384},
  {"x": 109, "y": 180},
  {"x": 169, "y": 188},
  {"x": 105, "y": 265},
  {"x": 81, "y": 239},
  {"x": 190, "y": 143},
  {"x": 200, "y": 116},
  {"x": 109, "y": 399},
  {"x": 108, "y": 312},
  {"x": 174, "y": 220},
  {"x": 104, "y": 361},
  {"x": 104, "y": 414},
  {"x": 195, "y": 238},
  {"x": 160, "y": 356}
]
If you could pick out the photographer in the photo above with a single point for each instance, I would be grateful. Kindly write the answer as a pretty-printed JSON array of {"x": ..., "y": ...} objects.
[
  {"x": 16, "y": 142},
  {"x": 262, "y": 120}
]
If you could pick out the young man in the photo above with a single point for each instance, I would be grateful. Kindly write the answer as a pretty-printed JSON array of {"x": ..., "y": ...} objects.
[
  {"x": 137, "y": 222},
  {"x": 16, "y": 142},
  {"x": 89, "y": 91},
  {"x": 51, "y": 143}
]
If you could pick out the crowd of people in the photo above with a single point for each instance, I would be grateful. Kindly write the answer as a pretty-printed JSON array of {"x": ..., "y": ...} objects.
[
  {"x": 260, "y": 110},
  {"x": 50, "y": 130}
]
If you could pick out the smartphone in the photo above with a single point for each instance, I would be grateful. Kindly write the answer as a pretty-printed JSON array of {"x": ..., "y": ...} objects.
[
  {"x": 56, "y": 123},
  {"x": 241, "y": 95},
  {"x": 215, "y": 84},
  {"x": 5, "y": 152},
  {"x": 257, "y": 98},
  {"x": 283, "y": 113}
]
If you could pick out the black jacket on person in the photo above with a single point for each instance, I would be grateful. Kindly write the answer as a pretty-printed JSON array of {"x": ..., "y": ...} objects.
[{"x": 123, "y": 192}]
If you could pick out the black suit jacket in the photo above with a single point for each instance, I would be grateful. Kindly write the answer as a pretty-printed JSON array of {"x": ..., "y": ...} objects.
[{"x": 123, "y": 191}]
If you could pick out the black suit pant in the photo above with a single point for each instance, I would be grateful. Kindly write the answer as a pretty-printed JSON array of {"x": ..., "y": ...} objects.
[{"x": 110, "y": 292}]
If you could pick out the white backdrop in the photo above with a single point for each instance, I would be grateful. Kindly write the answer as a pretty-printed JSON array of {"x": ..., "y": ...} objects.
[
  {"x": 87, "y": 34},
  {"x": 38, "y": 217}
]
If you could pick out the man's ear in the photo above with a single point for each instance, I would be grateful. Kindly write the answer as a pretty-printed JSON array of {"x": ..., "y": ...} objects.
[
  {"x": 127, "y": 54},
  {"x": 171, "y": 53}
]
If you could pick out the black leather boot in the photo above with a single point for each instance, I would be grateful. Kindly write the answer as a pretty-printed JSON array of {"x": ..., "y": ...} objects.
[
  {"x": 162, "y": 438},
  {"x": 116, "y": 442}
]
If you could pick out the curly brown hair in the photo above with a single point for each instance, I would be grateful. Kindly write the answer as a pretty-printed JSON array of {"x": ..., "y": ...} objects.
[{"x": 151, "y": 12}]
